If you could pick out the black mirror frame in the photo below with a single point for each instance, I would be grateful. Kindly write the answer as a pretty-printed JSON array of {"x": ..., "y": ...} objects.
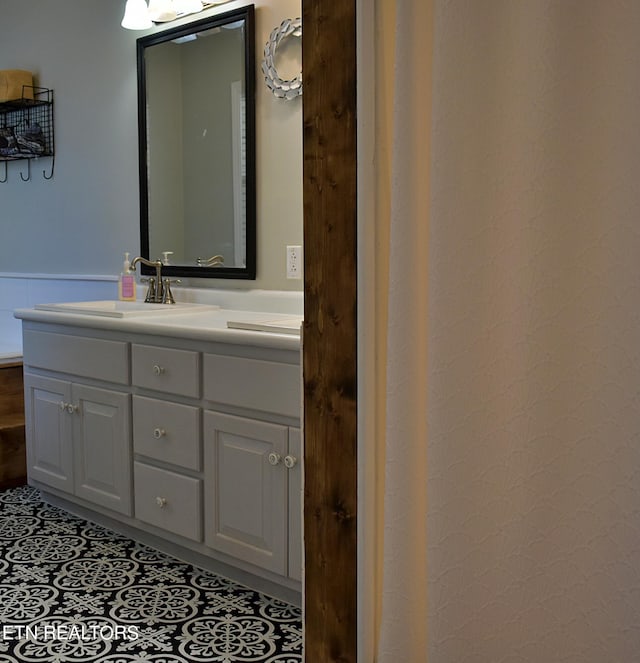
[{"x": 187, "y": 271}]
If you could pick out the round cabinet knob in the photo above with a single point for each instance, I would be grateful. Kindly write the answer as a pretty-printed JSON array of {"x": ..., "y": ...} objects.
[
  {"x": 158, "y": 370},
  {"x": 274, "y": 458},
  {"x": 290, "y": 461},
  {"x": 71, "y": 408},
  {"x": 158, "y": 433},
  {"x": 62, "y": 405},
  {"x": 161, "y": 502}
]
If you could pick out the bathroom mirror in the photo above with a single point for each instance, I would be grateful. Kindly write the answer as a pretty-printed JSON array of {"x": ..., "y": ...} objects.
[{"x": 196, "y": 124}]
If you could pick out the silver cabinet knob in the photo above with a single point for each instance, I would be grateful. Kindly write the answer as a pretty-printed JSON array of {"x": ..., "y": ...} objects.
[
  {"x": 63, "y": 406},
  {"x": 158, "y": 370},
  {"x": 71, "y": 408},
  {"x": 274, "y": 458},
  {"x": 161, "y": 502},
  {"x": 290, "y": 461},
  {"x": 158, "y": 433}
]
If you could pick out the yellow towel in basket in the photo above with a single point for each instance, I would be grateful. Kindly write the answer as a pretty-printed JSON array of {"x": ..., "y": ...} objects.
[{"x": 12, "y": 82}]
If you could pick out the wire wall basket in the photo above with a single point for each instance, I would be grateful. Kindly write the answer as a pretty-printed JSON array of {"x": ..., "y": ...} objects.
[{"x": 26, "y": 129}]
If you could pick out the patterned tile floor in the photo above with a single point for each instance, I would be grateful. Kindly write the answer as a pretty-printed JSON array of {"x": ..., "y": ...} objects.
[{"x": 72, "y": 591}]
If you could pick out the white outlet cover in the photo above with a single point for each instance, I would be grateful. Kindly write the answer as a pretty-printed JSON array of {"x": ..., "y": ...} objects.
[{"x": 294, "y": 262}]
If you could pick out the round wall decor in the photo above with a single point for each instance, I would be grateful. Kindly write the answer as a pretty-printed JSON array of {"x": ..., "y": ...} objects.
[{"x": 282, "y": 88}]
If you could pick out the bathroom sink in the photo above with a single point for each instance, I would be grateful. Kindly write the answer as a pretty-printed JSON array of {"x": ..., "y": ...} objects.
[{"x": 118, "y": 309}]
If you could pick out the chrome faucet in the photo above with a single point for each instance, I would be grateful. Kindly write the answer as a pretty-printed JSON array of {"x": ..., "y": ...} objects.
[{"x": 159, "y": 291}]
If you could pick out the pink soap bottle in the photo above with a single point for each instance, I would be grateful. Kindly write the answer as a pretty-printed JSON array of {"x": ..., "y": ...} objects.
[{"x": 127, "y": 282}]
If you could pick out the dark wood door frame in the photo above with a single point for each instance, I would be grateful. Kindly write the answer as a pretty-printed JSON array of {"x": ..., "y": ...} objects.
[{"x": 330, "y": 329}]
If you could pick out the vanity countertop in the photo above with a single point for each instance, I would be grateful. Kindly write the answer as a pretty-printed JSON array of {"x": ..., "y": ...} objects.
[{"x": 263, "y": 329}]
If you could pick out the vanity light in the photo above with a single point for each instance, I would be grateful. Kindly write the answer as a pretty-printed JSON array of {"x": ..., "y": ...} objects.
[
  {"x": 184, "y": 7},
  {"x": 162, "y": 11},
  {"x": 136, "y": 15}
]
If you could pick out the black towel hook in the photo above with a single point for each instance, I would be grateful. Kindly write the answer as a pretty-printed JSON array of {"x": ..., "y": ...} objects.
[
  {"x": 28, "y": 177},
  {"x": 53, "y": 165}
]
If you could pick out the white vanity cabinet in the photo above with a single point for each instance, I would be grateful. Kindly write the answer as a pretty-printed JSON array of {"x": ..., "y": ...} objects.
[
  {"x": 195, "y": 443},
  {"x": 78, "y": 435}
]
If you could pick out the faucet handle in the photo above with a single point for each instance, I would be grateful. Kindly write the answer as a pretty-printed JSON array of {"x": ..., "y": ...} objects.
[
  {"x": 167, "y": 295},
  {"x": 150, "y": 297}
]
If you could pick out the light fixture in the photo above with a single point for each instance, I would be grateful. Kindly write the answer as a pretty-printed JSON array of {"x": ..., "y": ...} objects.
[
  {"x": 136, "y": 15},
  {"x": 161, "y": 11},
  {"x": 184, "y": 7}
]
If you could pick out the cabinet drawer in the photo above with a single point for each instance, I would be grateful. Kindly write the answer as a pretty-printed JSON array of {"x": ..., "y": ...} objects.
[
  {"x": 168, "y": 500},
  {"x": 78, "y": 355},
  {"x": 167, "y": 431},
  {"x": 166, "y": 369},
  {"x": 253, "y": 383}
]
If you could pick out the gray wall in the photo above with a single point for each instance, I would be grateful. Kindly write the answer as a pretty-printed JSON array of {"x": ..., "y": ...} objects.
[{"x": 82, "y": 220}]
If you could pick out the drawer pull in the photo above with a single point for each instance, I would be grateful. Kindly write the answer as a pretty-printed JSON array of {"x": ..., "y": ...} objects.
[
  {"x": 158, "y": 433},
  {"x": 274, "y": 458},
  {"x": 158, "y": 370},
  {"x": 290, "y": 461},
  {"x": 161, "y": 502}
]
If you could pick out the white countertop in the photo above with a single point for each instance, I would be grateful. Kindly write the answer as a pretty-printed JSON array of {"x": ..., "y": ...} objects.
[{"x": 210, "y": 325}]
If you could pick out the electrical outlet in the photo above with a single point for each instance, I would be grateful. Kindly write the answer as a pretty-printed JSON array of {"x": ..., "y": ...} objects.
[{"x": 294, "y": 262}]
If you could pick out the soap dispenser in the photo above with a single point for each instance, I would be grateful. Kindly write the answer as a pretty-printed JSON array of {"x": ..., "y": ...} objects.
[{"x": 127, "y": 282}]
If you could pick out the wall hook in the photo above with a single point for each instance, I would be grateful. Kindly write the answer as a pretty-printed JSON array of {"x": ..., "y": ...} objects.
[
  {"x": 53, "y": 165},
  {"x": 5, "y": 174},
  {"x": 28, "y": 177}
]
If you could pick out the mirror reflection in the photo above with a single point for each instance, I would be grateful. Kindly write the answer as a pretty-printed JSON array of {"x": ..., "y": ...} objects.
[{"x": 197, "y": 147}]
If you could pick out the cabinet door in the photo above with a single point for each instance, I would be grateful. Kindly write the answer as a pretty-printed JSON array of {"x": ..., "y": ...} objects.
[
  {"x": 246, "y": 489},
  {"x": 102, "y": 444},
  {"x": 48, "y": 431},
  {"x": 293, "y": 462}
]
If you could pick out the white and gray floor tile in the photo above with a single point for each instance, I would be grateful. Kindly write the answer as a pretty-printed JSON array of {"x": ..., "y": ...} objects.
[{"x": 75, "y": 592}]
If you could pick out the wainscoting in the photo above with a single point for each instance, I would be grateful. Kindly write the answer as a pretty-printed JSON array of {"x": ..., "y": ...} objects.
[{"x": 26, "y": 290}]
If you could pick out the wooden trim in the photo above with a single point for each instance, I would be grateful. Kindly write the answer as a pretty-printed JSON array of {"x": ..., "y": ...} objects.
[
  {"x": 10, "y": 363},
  {"x": 330, "y": 332},
  {"x": 13, "y": 461},
  {"x": 11, "y": 390}
]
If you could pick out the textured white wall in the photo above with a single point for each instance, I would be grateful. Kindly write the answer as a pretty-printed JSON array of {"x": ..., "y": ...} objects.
[
  {"x": 534, "y": 341},
  {"x": 87, "y": 215}
]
